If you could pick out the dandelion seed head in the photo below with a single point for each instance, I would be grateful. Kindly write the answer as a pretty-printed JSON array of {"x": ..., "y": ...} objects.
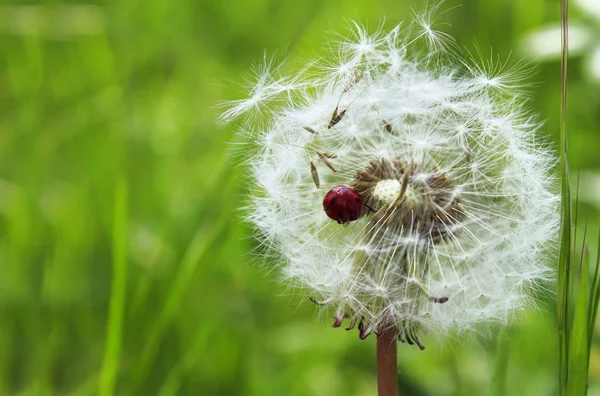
[{"x": 457, "y": 210}]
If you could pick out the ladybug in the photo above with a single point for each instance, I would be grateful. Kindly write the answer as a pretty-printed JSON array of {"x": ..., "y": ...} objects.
[{"x": 343, "y": 204}]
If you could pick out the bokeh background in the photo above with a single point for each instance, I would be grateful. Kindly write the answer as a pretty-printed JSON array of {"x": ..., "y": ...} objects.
[{"x": 125, "y": 267}]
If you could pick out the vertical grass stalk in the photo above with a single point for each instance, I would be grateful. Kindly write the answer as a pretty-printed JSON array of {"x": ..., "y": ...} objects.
[
  {"x": 114, "y": 327},
  {"x": 563, "y": 295}
]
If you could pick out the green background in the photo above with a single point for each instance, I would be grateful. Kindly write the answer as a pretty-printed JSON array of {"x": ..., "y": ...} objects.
[{"x": 125, "y": 266}]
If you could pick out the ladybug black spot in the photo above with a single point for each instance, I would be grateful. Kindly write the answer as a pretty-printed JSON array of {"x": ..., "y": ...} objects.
[{"x": 332, "y": 201}]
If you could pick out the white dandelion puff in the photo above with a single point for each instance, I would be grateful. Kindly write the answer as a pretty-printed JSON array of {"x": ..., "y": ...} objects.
[{"x": 402, "y": 188}]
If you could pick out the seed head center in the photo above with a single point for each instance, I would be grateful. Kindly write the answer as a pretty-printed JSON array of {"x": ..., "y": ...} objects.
[
  {"x": 412, "y": 197},
  {"x": 387, "y": 191}
]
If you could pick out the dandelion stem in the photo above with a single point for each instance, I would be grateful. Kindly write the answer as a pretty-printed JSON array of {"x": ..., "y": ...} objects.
[{"x": 387, "y": 362}]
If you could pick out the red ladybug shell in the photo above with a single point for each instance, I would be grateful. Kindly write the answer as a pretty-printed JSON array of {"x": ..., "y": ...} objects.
[{"x": 343, "y": 204}]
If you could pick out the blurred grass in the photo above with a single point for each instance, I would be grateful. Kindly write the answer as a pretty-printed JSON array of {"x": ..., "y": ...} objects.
[
  {"x": 578, "y": 349},
  {"x": 577, "y": 302},
  {"x": 499, "y": 377},
  {"x": 125, "y": 90},
  {"x": 568, "y": 224},
  {"x": 114, "y": 324}
]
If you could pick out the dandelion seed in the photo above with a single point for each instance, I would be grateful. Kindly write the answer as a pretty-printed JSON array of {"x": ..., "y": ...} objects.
[
  {"x": 309, "y": 129},
  {"x": 448, "y": 209},
  {"x": 315, "y": 174},
  {"x": 336, "y": 117},
  {"x": 325, "y": 158}
]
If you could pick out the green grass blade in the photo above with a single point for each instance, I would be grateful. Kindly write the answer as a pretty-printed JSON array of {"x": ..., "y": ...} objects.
[
  {"x": 499, "y": 379},
  {"x": 204, "y": 238},
  {"x": 564, "y": 264},
  {"x": 114, "y": 327},
  {"x": 85, "y": 388},
  {"x": 594, "y": 296},
  {"x": 578, "y": 348},
  {"x": 172, "y": 383}
]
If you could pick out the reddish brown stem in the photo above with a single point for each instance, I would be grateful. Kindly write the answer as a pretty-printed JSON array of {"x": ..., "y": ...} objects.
[{"x": 387, "y": 362}]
